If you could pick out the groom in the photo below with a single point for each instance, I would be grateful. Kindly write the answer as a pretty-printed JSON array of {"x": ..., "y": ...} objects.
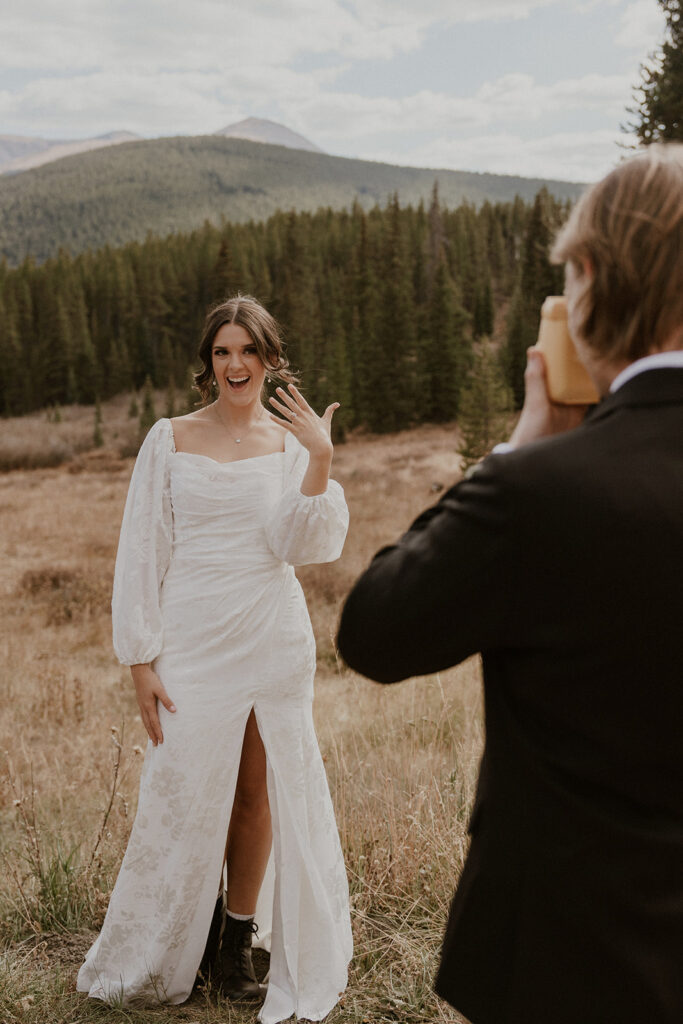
[{"x": 561, "y": 561}]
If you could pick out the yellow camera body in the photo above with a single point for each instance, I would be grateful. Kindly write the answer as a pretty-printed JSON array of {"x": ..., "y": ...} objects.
[{"x": 567, "y": 377}]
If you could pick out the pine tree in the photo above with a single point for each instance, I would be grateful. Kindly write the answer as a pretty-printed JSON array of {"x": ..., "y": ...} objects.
[
  {"x": 537, "y": 279},
  {"x": 58, "y": 379},
  {"x": 97, "y": 438},
  {"x": 148, "y": 416},
  {"x": 521, "y": 334},
  {"x": 191, "y": 395},
  {"x": 337, "y": 377},
  {"x": 296, "y": 282},
  {"x": 170, "y": 399},
  {"x": 366, "y": 358},
  {"x": 485, "y": 407},
  {"x": 443, "y": 348},
  {"x": 118, "y": 377},
  {"x": 133, "y": 407},
  {"x": 436, "y": 236},
  {"x": 227, "y": 277},
  {"x": 84, "y": 357},
  {"x": 164, "y": 364},
  {"x": 659, "y": 97},
  {"x": 11, "y": 368},
  {"x": 482, "y": 321},
  {"x": 397, "y": 398}
]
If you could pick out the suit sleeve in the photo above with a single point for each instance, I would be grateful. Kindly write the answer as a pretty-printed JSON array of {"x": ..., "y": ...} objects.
[{"x": 445, "y": 591}]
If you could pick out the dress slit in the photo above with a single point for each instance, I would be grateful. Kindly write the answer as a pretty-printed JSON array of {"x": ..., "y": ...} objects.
[{"x": 264, "y": 905}]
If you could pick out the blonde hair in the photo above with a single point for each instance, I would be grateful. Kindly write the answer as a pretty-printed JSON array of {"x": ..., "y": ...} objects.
[
  {"x": 629, "y": 229},
  {"x": 263, "y": 329}
]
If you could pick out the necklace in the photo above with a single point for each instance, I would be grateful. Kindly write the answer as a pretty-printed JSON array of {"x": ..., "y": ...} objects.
[{"x": 237, "y": 440}]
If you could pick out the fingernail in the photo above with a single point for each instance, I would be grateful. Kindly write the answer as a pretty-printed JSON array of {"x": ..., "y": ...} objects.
[{"x": 172, "y": 707}]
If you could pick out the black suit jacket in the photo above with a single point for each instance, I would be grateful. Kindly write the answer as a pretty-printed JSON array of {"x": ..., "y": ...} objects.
[{"x": 562, "y": 562}]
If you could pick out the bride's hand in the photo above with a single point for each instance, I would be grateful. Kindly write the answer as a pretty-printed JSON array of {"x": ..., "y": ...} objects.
[
  {"x": 148, "y": 690},
  {"x": 298, "y": 418}
]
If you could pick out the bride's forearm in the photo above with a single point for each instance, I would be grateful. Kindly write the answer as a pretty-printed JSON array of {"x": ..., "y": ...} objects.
[{"x": 317, "y": 475}]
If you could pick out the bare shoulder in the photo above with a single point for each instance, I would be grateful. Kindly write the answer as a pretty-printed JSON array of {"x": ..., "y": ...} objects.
[{"x": 190, "y": 425}]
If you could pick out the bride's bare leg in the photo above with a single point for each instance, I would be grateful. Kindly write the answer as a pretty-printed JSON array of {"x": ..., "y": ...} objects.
[{"x": 250, "y": 833}]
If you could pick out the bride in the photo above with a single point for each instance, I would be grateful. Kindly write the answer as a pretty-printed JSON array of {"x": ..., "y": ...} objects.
[{"x": 209, "y": 614}]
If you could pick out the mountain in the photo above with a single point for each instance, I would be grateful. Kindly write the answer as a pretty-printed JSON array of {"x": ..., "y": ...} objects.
[
  {"x": 21, "y": 152},
  {"x": 259, "y": 129},
  {"x": 17, "y": 146},
  {"x": 163, "y": 185}
]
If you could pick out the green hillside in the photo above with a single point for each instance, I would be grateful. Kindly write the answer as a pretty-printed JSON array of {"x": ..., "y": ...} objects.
[{"x": 121, "y": 194}]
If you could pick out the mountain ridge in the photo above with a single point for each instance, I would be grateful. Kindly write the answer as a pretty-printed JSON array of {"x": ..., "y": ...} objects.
[
  {"x": 170, "y": 185},
  {"x": 261, "y": 129},
  {"x": 23, "y": 152}
]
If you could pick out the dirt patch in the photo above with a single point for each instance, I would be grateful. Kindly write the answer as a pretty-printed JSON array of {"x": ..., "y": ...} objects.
[{"x": 59, "y": 949}]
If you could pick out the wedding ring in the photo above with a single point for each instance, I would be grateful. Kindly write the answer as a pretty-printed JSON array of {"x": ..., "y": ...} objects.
[{"x": 293, "y": 415}]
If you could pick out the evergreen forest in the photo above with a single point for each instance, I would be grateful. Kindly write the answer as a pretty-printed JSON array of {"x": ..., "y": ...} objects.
[{"x": 382, "y": 310}]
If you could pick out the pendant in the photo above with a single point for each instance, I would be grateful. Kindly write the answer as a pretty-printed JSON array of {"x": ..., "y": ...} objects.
[{"x": 237, "y": 440}]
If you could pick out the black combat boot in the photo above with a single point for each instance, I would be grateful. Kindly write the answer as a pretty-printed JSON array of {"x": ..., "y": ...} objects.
[
  {"x": 208, "y": 965},
  {"x": 235, "y": 976}
]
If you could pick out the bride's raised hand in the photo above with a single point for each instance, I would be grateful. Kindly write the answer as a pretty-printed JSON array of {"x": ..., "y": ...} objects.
[
  {"x": 149, "y": 689},
  {"x": 311, "y": 430}
]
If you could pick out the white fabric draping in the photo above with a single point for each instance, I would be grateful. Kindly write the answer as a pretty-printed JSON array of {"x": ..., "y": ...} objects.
[{"x": 204, "y": 588}]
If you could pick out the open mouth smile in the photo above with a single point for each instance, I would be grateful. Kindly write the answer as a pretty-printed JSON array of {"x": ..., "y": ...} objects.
[{"x": 238, "y": 383}]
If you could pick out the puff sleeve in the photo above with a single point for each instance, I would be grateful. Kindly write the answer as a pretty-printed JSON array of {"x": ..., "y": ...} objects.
[
  {"x": 144, "y": 551},
  {"x": 302, "y": 529}
]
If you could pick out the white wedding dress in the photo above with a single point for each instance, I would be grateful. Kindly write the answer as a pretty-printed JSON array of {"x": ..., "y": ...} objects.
[{"x": 204, "y": 588}]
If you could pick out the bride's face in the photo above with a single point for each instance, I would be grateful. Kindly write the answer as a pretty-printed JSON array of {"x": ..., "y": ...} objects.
[{"x": 237, "y": 366}]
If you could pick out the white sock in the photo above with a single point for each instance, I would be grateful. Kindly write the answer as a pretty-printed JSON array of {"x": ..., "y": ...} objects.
[{"x": 240, "y": 917}]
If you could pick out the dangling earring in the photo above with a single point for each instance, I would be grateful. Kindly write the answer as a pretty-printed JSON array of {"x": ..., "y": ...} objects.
[{"x": 214, "y": 382}]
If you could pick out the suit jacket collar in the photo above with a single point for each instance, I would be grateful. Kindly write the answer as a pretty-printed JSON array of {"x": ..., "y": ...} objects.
[{"x": 651, "y": 387}]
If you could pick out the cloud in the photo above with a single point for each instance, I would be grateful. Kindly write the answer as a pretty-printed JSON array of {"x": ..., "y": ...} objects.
[
  {"x": 642, "y": 26},
  {"x": 518, "y": 98},
  {"x": 158, "y": 103},
  {"x": 448, "y": 11},
  {"x": 91, "y": 104},
  {"x": 210, "y": 34},
  {"x": 565, "y": 156}
]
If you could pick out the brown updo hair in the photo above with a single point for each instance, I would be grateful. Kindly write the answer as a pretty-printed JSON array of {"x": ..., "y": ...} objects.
[{"x": 263, "y": 329}]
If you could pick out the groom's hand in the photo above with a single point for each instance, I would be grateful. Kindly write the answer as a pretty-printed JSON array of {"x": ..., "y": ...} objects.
[{"x": 540, "y": 417}]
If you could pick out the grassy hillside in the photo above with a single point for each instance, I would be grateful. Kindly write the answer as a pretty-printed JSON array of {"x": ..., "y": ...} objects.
[{"x": 122, "y": 193}]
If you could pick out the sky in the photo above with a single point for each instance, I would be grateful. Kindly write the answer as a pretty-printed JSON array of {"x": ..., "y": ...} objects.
[{"x": 528, "y": 87}]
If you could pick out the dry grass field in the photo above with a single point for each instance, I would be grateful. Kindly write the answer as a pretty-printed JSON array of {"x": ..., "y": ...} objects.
[{"x": 401, "y": 760}]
